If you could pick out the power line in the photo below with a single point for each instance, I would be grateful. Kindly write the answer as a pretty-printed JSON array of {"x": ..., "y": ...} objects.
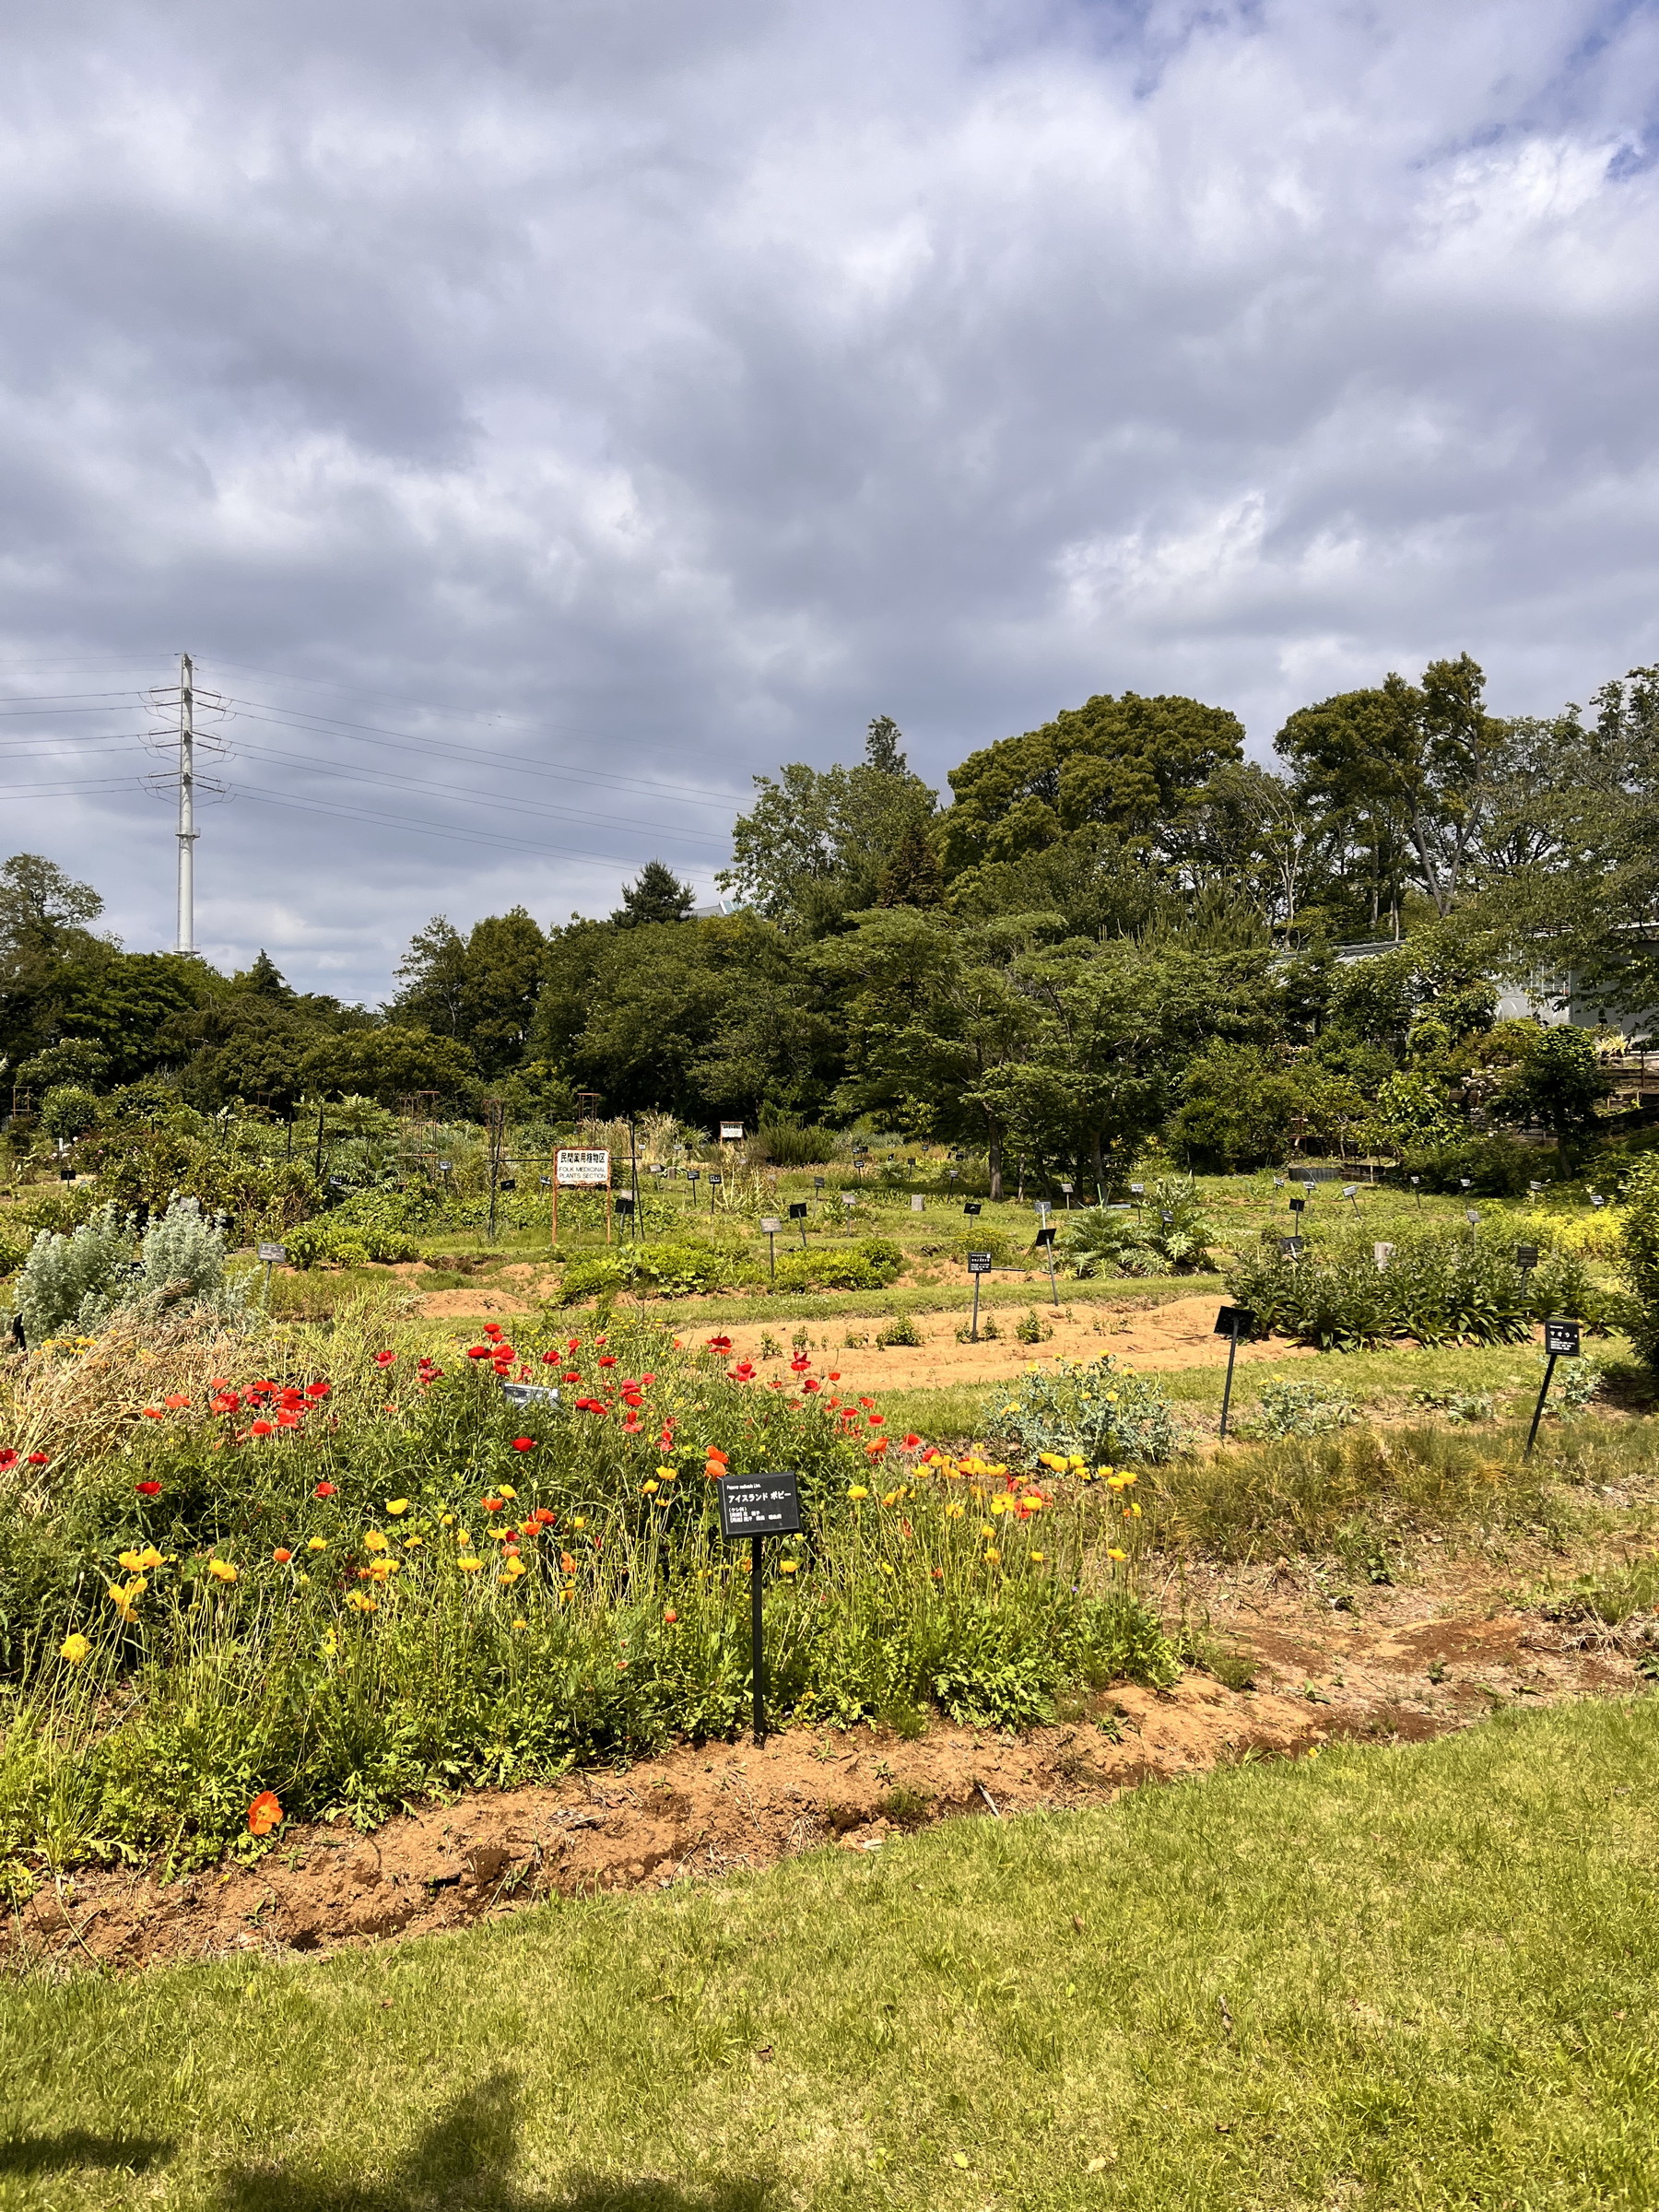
[
  {"x": 467, "y": 798},
  {"x": 298, "y": 720},
  {"x": 474, "y": 837}
]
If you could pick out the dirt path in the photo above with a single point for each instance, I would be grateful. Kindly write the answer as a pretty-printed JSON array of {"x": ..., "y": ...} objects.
[
  {"x": 1403, "y": 1669},
  {"x": 1175, "y": 1333},
  {"x": 1178, "y": 1333}
]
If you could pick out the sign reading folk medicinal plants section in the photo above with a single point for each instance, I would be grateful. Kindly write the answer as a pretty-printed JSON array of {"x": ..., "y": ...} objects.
[{"x": 580, "y": 1167}]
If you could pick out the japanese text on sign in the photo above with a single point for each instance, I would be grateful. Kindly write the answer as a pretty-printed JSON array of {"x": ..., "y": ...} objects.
[
  {"x": 759, "y": 1505},
  {"x": 581, "y": 1167}
]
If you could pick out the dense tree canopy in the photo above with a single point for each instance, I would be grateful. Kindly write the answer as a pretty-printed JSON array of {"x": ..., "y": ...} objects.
[{"x": 1118, "y": 930}]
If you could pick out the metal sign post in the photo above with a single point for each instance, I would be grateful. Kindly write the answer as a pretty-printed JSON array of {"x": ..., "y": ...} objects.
[
  {"x": 798, "y": 1213},
  {"x": 1416, "y": 1191},
  {"x": 772, "y": 1228},
  {"x": 273, "y": 1255},
  {"x": 1232, "y": 1322},
  {"x": 1045, "y": 1242},
  {"x": 758, "y": 1506},
  {"x": 978, "y": 1263},
  {"x": 1560, "y": 1342}
]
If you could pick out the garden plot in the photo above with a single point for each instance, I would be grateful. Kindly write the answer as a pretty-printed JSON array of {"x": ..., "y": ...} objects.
[{"x": 1177, "y": 1334}]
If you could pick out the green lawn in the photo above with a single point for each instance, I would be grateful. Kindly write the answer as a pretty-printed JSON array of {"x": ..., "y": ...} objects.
[{"x": 1411, "y": 1978}]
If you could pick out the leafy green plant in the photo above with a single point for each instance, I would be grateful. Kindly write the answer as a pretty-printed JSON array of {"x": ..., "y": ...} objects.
[
  {"x": 903, "y": 1330},
  {"x": 1171, "y": 1234},
  {"x": 1291, "y": 1406},
  {"x": 1095, "y": 1410},
  {"x": 1639, "y": 1256},
  {"x": 1030, "y": 1328},
  {"x": 1456, "y": 1405}
]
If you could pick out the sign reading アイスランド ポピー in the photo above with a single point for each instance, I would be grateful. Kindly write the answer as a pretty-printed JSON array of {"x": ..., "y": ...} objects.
[{"x": 759, "y": 1505}]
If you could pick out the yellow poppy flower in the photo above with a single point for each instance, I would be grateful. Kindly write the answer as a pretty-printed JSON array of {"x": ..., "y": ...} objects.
[{"x": 74, "y": 1648}]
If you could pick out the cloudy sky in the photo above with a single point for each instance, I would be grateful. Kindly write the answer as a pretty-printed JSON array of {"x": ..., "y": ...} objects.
[{"x": 537, "y": 418}]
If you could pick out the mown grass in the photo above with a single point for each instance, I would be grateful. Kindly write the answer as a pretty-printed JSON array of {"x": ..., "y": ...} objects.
[{"x": 1414, "y": 1978}]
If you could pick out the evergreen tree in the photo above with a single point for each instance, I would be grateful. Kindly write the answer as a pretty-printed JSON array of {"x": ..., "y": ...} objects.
[
  {"x": 913, "y": 877},
  {"x": 655, "y": 895}
]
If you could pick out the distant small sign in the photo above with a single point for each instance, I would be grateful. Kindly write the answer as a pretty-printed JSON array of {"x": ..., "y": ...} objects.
[
  {"x": 797, "y": 1212},
  {"x": 978, "y": 1263},
  {"x": 731, "y": 1133},
  {"x": 972, "y": 1208},
  {"x": 1138, "y": 1190},
  {"x": 273, "y": 1255},
  {"x": 529, "y": 1393},
  {"x": 759, "y": 1505},
  {"x": 1045, "y": 1235},
  {"x": 918, "y": 1204},
  {"x": 849, "y": 1197},
  {"x": 1561, "y": 1339},
  {"x": 1526, "y": 1257},
  {"x": 772, "y": 1226},
  {"x": 1297, "y": 1206},
  {"x": 1235, "y": 1322},
  {"x": 1291, "y": 1247},
  {"x": 580, "y": 1167},
  {"x": 1382, "y": 1253},
  {"x": 625, "y": 1202}
]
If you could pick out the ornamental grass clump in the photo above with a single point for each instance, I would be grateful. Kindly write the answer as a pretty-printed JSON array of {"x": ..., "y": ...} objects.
[{"x": 1089, "y": 1409}]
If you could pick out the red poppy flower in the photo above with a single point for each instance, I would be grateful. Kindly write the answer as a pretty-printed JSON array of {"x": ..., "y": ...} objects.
[
  {"x": 145, "y": 1490},
  {"x": 262, "y": 1428},
  {"x": 281, "y": 1557},
  {"x": 9, "y": 1459},
  {"x": 505, "y": 1351},
  {"x": 632, "y": 1397},
  {"x": 670, "y": 1616},
  {"x": 494, "y": 1505},
  {"x": 572, "y": 1344},
  {"x": 744, "y": 1372},
  {"x": 324, "y": 1489},
  {"x": 800, "y": 1366},
  {"x": 385, "y": 1358},
  {"x": 571, "y": 1374},
  {"x": 318, "y": 1390},
  {"x": 38, "y": 1459},
  {"x": 875, "y": 1419},
  {"x": 812, "y": 1383},
  {"x": 607, "y": 1359},
  {"x": 549, "y": 1358},
  {"x": 714, "y": 1452},
  {"x": 480, "y": 1352},
  {"x": 175, "y": 1399},
  {"x": 867, "y": 1403},
  {"x": 911, "y": 1443},
  {"x": 492, "y": 1328},
  {"x": 226, "y": 1402},
  {"x": 835, "y": 1374},
  {"x": 154, "y": 1413},
  {"x": 524, "y": 1444},
  {"x": 632, "y": 1426},
  {"x": 722, "y": 1345}
]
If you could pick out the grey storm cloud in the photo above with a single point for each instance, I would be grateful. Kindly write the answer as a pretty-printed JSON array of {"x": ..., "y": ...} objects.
[{"x": 537, "y": 420}]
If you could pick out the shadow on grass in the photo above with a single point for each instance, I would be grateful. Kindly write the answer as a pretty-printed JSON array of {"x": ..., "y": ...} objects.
[
  {"x": 462, "y": 2164},
  {"x": 57, "y": 2154}
]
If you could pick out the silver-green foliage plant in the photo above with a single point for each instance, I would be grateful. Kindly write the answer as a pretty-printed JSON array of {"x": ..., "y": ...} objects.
[
  {"x": 1094, "y": 1409},
  {"x": 75, "y": 1282},
  {"x": 1288, "y": 1406}
]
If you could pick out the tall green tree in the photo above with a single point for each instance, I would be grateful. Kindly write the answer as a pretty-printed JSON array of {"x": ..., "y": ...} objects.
[
  {"x": 1125, "y": 764},
  {"x": 813, "y": 847}
]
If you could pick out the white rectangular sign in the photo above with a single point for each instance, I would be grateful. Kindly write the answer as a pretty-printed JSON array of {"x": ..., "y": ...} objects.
[
  {"x": 582, "y": 1166},
  {"x": 731, "y": 1133}
]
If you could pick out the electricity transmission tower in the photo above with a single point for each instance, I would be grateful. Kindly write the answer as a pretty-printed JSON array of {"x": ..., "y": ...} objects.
[{"x": 187, "y": 737}]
